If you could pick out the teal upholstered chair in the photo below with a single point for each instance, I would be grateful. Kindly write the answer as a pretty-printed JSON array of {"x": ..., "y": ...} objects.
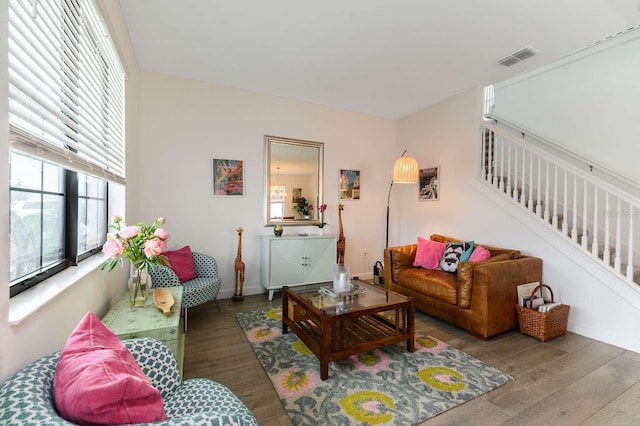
[
  {"x": 203, "y": 288},
  {"x": 27, "y": 398}
]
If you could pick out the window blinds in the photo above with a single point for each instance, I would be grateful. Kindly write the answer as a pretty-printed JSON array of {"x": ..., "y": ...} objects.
[{"x": 66, "y": 87}]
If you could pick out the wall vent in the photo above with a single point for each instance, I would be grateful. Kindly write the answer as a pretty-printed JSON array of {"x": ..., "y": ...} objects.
[{"x": 515, "y": 57}]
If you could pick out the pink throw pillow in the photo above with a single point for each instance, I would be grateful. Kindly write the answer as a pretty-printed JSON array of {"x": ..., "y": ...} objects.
[
  {"x": 97, "y": 380},
  {"x": 181, "y": 262},
  {"x": 479, "y": 254},
  {"x": 429, "y": 253}
]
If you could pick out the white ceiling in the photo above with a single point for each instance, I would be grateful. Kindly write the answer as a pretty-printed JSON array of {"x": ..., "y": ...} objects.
[{"x": 388, "y": 58}]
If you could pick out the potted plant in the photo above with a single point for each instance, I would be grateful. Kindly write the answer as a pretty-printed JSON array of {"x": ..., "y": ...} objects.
[
  {"x": 322, "y": 223},
  {"x": 303, "y": 208}
]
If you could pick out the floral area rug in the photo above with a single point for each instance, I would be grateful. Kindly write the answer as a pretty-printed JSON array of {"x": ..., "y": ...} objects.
[{"x": 387, "y": 386}]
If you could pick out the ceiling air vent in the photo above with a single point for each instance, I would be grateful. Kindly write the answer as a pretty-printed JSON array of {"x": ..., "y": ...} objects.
[{"x": 517, "y": 56}]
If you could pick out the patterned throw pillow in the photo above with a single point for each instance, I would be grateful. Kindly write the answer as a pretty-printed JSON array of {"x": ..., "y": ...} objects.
[
  {"x": 181, "y": 261},
  {"x": 97, "y": 380},
  {"x": 455, "y": 253}
]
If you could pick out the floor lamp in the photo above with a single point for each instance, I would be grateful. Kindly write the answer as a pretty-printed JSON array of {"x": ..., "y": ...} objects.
[{"x": 405, "y": 170}]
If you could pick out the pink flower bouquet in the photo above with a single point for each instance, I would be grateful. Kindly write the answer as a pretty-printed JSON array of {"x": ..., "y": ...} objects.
[{"x": 140, "y": 244}]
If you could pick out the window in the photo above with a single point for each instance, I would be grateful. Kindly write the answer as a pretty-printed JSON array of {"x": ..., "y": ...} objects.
[
  {"x": 92, "y": 214},
  {"x": 278, "y": 194},
  {"x": 66, "y": 122},
  {"x": 44, "y": 200},
  {"x": 36, "y": 215}
]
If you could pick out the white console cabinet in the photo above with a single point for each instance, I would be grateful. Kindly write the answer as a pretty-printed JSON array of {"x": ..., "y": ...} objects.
[{"x": 296, "y": 260}]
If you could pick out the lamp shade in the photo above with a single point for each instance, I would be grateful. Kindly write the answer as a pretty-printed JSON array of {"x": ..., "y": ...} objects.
[{"x": 405, "y": 170}]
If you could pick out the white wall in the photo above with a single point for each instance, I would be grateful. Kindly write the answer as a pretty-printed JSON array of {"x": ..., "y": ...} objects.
[
  {"x": 586, "y": 103},
  {"x": 186, "y": 123},
  {"x": 446, "y": 135}
]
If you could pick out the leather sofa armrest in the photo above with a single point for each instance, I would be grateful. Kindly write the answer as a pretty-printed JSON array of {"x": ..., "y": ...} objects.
[
  {"x": 494, "y": 293},
  {"x": 396, "y": 259}
]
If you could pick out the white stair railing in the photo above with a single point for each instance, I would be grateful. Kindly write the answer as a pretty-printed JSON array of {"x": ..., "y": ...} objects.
[{"x": 545, "y": 185}]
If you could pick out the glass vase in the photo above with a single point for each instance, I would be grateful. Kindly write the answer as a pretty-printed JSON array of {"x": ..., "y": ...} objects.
[
  {"x": 138, "y": 287},
  {"x": 341, "y": 278}
]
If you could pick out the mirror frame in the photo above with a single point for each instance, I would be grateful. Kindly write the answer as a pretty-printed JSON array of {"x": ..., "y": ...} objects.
[{"x": 269, "y": 141}]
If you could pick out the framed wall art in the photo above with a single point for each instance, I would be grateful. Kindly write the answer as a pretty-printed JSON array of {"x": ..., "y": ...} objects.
[
  {"x": 228, "y": 178},
  {"x": 297, "y": 194},
  {"x": 349, "y": 184},
  {"x": 429, "y": 189}
]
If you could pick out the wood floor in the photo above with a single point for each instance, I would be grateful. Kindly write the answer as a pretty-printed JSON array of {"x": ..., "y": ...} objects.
[{"x": 569, "y": 380}]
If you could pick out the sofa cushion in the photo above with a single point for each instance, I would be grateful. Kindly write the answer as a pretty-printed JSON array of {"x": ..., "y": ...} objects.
[
  {"x": 479, "y": 254},
  {"x": 401, "y": 258},
  {"x": 465, "y": 278},
  {"x": 428, "y": 254},
  {"x": 455, "y": 253},
  {"x": 434, "y": 283},
  {"x": 181, "y": 261},
  {"x": 97, "y": 380}
]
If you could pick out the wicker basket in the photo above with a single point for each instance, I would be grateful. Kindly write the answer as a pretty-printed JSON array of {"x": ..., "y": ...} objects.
[{"x": 543, "y": 325}]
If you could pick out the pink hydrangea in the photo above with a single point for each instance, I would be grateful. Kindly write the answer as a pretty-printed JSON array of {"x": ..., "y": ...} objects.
[
  {"x": 154, "y": 247},
  {"x": 129, "y": 231},
  {"x": 161, "y": 233},
  {"x": 113, "y": 248}
]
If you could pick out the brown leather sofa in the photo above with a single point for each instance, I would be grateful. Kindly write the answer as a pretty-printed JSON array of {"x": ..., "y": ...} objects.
[{"x": 480, "y": 297}]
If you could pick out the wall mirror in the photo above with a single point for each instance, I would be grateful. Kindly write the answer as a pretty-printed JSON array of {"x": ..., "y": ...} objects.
[{"x": 293, "y": 170}]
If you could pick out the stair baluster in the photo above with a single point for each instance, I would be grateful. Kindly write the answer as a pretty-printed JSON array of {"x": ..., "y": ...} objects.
[
  {"x": 585, "y": 227},
  {"x": 554, "y": 219},
  {"x": 574, "y": 229},
  {"x": 617, "y": 263},
  {"x": 530, "y": 204},
  {"x": 630, "y": 255},
  {"x": 565, "y": 211},
  {"x": 523, "y": 196},
  {"x": 606, "y": 253},
  {"x": 594, "y": 245},
  {"x": 546, "y": 193},
  {"x": 501, "y": 179},
  {"x": 508, "y": 189}
]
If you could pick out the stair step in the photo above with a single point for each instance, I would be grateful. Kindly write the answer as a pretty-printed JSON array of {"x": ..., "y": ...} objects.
[
  {"x": 612, "y": 254},
  {"x": 636, "y": 272}
]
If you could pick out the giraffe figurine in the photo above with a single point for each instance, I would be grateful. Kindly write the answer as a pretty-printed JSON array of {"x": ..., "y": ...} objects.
[
  {"x": 341, "y": 240},
  {"x": 237, "y": 296}
]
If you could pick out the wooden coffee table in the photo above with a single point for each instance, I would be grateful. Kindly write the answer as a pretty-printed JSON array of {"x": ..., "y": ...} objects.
[{"x": 335, "y": 328}]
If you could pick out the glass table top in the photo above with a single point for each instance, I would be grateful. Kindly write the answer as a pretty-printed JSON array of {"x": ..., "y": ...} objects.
[{"x": 370, "y": 296}]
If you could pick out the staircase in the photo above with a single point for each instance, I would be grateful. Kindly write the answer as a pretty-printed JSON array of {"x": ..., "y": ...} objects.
[{"x": 594, "y": 215}]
